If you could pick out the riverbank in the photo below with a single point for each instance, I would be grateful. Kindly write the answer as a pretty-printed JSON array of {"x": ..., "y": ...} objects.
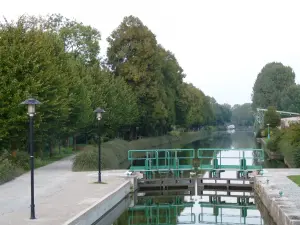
[
  {"x": 114, "y": 153},
  {"x": 284, "y": 209},
  {"x": 61, "y": 196},
  {"x": 14, "y": 164},
  {"x": 271, "y": 155}
]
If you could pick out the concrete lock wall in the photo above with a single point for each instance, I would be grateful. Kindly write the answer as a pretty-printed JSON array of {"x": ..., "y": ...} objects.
[
  {"x": 93, "y": 213},
  {"x": 274, "y": 204}
]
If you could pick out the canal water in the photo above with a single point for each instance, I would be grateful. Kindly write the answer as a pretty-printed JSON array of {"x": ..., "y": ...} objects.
[{"x": 186, "y": 207}]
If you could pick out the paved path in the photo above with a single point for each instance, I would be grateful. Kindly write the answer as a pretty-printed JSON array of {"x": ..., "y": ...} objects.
[
  {"x": 59, "y": 194},
  {"x": 287, "y": 207}
]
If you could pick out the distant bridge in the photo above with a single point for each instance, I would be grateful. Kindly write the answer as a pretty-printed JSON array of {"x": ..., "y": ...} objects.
[{"x": 260, "y": 114}]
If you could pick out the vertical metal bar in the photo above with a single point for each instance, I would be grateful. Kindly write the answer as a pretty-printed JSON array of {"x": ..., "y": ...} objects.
[
  {"x": 99, "y": 153},
  {"x": 220, "y": 158},
  {"x": 245, "y": 162},
  {"x": 156, "y": 155},
  {"x": 32, "y": 206},
  {"x": 168, "y": 155},
  {"x": 166, "y": 158}
]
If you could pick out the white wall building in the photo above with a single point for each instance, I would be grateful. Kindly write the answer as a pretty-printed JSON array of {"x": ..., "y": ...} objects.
[{"x": 285, "y": 122}]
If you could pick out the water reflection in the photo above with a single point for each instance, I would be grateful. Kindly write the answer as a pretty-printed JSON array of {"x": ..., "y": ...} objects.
[
  {"x": 211, "y": 207},
  {"x": 176, "y": 207}
]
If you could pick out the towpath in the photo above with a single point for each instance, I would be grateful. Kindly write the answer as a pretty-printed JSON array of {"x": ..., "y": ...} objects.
[{"x": 60, "y": 194}]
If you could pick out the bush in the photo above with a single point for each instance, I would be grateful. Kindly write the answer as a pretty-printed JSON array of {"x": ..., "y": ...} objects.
[
  {"x": 175, "y": 133},
  {"x": 8, "y": 171},
  {"x": 273, "y": 143},
  {"x": 87, "y": 160},
  {"x": 21, "y": 159},
  {"x": 296, "y": 157},
  {"x": 290, "y": 144}
]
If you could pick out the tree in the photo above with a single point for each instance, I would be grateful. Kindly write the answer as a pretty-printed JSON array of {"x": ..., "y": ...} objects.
[
  {"x": 271, "y": 82},
  {"x": 32, "y": 65},
  {"x": 271, "y": 117},
  {"x": 172, "y": 78},
  {"x": 242, "y": 115},
  {"x": 118, "y": 99},
  {"x": 290, "y": 100},
  {"x": 222, "y": 113},
  {"x": 133, "y": 53},
  {"x": 80, "y": 40},
  {"x": 56, "y": 60}
]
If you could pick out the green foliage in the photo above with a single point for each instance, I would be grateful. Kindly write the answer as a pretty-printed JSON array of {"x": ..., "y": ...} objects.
[
  {"x": 155, "y": 75},
  {"x": 21, "y": 160},
  {"x": 273, "y": 80},
  {"x": 290, "y": 100},
  {"x": 297, "y": 157},
  {"x": 175, "y": 133},
  {"x": 8, "y": 171},
  {"x": 273, "y": 142},
  {"x": 272, "y": 117},
  {"x": 289, "y": 144},
  {"x": 86, "y": 160},
  {"x": 14, "y": 164},
  {"x": 56, "y": 60},
  {"x": 242, "y": 115},
  {"x": 221, "y": 113}
]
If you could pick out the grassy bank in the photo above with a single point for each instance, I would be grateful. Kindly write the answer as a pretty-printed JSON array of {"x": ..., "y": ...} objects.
[
  {"x": 287, "y": 143},
  {"x": 13, "y": 165},
  {"x": 114, "y": 153},
  {"x": 295, "y": 179}
]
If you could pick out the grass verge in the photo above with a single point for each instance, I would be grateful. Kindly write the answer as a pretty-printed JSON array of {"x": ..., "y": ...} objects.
[
  {"x": 14, "y": 165},
  {"x": 114, "y": 153},
  {"x": 295, "y": 179}
]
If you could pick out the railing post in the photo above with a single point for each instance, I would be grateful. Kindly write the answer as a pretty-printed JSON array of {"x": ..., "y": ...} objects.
[
  {"x": 156, "y": 156},
  {"x": 168, "y": 156},
  {"x": 221, "y": 158}
]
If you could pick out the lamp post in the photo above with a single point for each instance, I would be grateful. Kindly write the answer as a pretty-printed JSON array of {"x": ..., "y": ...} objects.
[
  {"x": 31, "y": 102},
  {"x": 99, "y": 112},
  {"x": 268, "y": 131}
]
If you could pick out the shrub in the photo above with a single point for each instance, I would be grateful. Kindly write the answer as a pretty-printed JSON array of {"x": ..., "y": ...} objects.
[
  {"x": 273, "y": 143},
  {"x": 38, "y": 162},
  {"x": 175, "y": 133},
  {"x": 8, "y": 171},
  {"x": 21, "y": 160},
  {"x": 87, "y": 160},
  {"x": 66, "y": 151},
  {"x": 296, "y": 157}
]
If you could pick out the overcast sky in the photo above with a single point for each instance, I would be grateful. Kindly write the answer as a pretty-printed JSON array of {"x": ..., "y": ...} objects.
[{"x": 221, "y": 45}]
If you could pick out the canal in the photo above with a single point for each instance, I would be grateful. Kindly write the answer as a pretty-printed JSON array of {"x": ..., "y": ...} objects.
[{"x": 186, "y": 207}]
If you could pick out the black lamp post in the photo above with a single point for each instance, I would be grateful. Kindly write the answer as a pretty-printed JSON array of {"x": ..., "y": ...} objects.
[
  {"x": 31, "y": 112},
  {"x": 99, "y": 112}
]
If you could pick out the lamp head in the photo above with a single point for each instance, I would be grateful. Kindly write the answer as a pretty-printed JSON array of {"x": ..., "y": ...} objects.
[
  {"x": 99, "y": 112},
  {"x": 31, "y": 102}
]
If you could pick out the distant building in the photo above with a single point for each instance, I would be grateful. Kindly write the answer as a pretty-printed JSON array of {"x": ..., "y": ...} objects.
[{"x": 285, "y": 122}]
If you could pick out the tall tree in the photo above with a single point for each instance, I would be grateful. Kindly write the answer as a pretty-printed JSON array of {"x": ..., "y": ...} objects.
[
  {"x": 290, "y": 100},
  {"x": 242, "y": 115},
  {"x": 133, "y": 54},
  {"x": 270, "y": 83},
  {"x": 32, "y": 65},
  {"x": 82, "y": 41}
]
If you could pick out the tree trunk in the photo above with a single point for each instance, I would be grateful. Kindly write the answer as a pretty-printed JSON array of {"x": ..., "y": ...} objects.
[
  {"x": 59, "y": 146},
  {"x": 50, "y": 150},
  {"x": 74, "y": 142}
]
